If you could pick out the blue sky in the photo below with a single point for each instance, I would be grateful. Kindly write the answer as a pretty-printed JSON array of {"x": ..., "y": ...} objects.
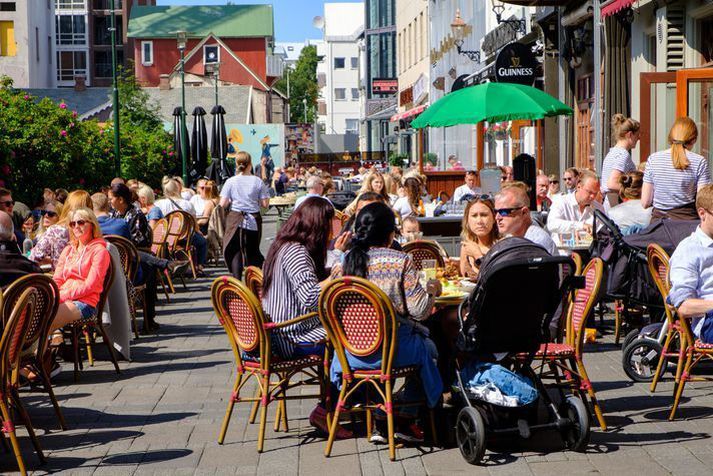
[{"x": 293, "y": 18}]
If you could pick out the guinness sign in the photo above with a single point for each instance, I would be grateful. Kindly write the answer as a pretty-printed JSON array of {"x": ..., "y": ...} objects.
[{"x": 516, "y": 64}]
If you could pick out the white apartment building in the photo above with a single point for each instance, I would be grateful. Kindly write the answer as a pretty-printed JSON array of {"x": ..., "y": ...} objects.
[
  {"x": 26, "y": 42},
  {"x": 338, "y": 71},
  {"x": 290, "y": 51}
]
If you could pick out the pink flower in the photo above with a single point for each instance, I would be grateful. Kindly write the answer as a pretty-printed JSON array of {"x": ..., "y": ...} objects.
[
  {"x": 27, "y": 96},
  {"x": 101, "y": 131},
  {"x": 74, "y": 113},
  {"x": 81, "y": 181},
  {"x": 63, "y": 133},
  {"x": 164, "y": 152},
  {"x": 71, "y": 124},
  {"x": 170, "y": 154},
  {"x": 62, "y": 106}
]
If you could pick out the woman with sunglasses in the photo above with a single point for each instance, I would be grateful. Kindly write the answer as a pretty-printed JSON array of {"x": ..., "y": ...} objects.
[
  {"x": 49, "y": 214},
  {"x": 80, "y": 270},
  {"x": 205, "y": 202},
  {"x": 50, "y": 245},
  {"x": 479, "y": 234}
]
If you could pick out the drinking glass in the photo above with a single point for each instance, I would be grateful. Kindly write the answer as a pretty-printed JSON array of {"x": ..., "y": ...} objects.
[{"x": 429, "y": 268}]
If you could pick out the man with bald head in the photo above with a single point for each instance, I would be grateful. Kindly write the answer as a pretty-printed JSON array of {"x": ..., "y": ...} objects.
[
  {"x": 512, "y": 214},
  {"x": 542, "y": 186},
  {"x": 575, "y": 212},
  {"x": 12, "y": 264}
]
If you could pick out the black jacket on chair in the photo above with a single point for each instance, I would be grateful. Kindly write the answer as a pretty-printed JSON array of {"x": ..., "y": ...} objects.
[{"x": 13, "y": 265}]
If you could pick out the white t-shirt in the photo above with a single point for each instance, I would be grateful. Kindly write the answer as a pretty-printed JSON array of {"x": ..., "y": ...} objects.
[
  {"x": 403, "y": 207},
  {"x": 171, "y": 205},
  {"x": 464, "y": 190},
  {"x": 245, "y": 193},
  {"x": 198, "y": 203},
  {"x": 630, "y": 213}
]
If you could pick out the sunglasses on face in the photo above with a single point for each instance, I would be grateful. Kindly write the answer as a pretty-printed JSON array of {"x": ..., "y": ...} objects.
[
  {"x": 80, "y": 223},
  {"x": 49, "y": 213},
  {"x": 505, "y": 212},
  {"x": 8, "y": 203}
]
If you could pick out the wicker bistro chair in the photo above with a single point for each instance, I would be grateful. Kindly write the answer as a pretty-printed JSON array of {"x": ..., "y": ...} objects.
[
  {"x": 175, "y": 228},
  {"x": 566, "y": 358},
  {"x": 360, "y": 319},
  {"x": 182, "y": 246},
  {"x": 130, "y": 264},
  {"x": 421, "y": 250},
  {"x": 35, "y": 341},
  {"x": 158, "y": 248},
  {"x": 11, "y": 345},
  {"x": 248, "y": 330},
  {"x": 659, "y": 267},
  {"x": 88, "y": 326},
  {"x": 252, "y": 276}
]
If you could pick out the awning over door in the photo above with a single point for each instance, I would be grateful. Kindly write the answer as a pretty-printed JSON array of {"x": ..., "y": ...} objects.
[
  {"x": 614, "y": 6},
  {"x": 410, "y": 113}
]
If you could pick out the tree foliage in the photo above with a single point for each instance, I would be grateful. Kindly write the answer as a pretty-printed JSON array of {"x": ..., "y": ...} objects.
[
  {"x": 303, "y": 85},
  {"x": 45, "y": 144}
]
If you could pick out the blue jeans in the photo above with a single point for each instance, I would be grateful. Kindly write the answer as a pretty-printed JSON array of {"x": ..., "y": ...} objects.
[
  {"x": 201, "y": 245},
  {"x": 413, "y": 348}
]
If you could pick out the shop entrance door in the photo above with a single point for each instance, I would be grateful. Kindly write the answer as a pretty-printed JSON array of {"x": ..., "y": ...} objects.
[{"x": 694, "y": 91}]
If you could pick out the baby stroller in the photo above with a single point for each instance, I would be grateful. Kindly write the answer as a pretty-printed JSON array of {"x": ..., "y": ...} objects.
[
  {"x": 630, "y": 283},
  {"x": 510, "y": 331}
]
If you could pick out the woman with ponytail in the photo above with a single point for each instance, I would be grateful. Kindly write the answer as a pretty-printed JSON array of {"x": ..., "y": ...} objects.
[
  {"x": 673, "y": 177},
  {"x": 393, "y": 272},
  {"x": 625, "y": 134},
  {"x": 629, "y": 215},
  {"x": 411, "y": 203}
]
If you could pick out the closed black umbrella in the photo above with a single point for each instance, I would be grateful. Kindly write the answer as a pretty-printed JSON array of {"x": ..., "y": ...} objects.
[
  {"x": 177, "y": 168},
  {"x": 199, "y": 147},
  {"x": 218, "y": 170}
]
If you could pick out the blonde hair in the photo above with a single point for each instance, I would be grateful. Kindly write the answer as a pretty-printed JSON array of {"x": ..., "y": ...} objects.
[
  {"x": 58, "y": 207},
  {"x": 243, "y": 162},
  {"x": 87, "y": 215},
  {"x": 367, "y": 185},
  {"x": 146, "y": 192},
  {"x": 622, "y": 125},
  {"x": 75, "y": 200},
  {"x": 704, "y": 197},
  {"x": 683, "y": 132},
  {"x": 172, "y": 188},
  {"x": 211, "y": 189}
]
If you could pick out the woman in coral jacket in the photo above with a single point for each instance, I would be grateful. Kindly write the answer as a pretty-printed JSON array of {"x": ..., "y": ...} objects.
[{"x": 81, "y": 269}]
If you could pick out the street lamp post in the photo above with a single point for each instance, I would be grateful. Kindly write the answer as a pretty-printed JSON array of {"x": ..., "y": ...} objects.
[
  {"x": 181, "y": 38},
  {"x": 115, "y": 92},
  {"x": 304, "y": 106},
  {"x": 214, "y": 70}
]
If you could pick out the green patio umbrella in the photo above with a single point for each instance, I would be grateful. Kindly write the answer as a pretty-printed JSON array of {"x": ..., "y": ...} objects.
[{"x": 492, "y": 102}]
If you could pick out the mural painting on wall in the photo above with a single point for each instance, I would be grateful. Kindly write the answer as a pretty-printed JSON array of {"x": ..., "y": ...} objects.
[
  {"x": 258, "y": 140},
  {"x": 299, "y": 140}
]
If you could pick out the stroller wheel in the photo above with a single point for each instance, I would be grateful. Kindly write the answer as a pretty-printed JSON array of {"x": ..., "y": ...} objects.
[
  {"x": 630, "y": 337},
  {"x": 640, "y": 359},
  {"x": 576, "y": 434},
  {"x": 470, "y": 435}
]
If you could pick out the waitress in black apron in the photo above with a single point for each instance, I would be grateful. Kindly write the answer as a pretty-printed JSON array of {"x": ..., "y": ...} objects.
[{"x": 242, "y": 196}]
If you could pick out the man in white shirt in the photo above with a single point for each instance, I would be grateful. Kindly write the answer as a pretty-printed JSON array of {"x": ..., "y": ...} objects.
[
  {"x": 512, "y": 214},
  {"x": 468, "y": 188},
  {"x": 575, "y": 212},
  {"x": 315, "y": 188}
]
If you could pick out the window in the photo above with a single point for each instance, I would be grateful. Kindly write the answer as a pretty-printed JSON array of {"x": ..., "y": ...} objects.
[
  {"x": 106, "y": 4},
  {"x": 102, "y": 62},
  {"x": 7, "y": 6},
  {"x": 340, "y": 94},
  {"x": 71, "y": 4},
  {"x": 71, "y": 29},
  {"x": 71, "y": 64},
  {"x": 211, "y": 54},
  {"x": 147, "y": 53},
  {"x": 8, "y": 47},
  {"x": 355, "y": 94},
  {"x": 102, "y": 32},
  {"x": 352, "y": 125},
  {"x": 290, "y": 48},
  {"x": 338, "y": 63},
  {"x": 355, "y": 62}
]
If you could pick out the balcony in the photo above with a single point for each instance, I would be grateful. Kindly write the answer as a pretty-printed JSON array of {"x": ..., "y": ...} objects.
[{"x": 275, "y": 66}]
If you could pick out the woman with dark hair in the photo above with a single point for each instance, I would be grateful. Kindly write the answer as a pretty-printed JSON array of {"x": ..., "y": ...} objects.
[
  {"x": 411, "y": 203},
  {"x": 393, "y": 272},
  {"x": 123, "y": 207},
  {"x": 294, "y": 275}
]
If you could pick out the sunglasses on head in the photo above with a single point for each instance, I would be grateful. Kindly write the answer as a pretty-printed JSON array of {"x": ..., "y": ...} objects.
[
  {"x": 49, "y": 213},
  {"x": 504, "y": 212},
  {"x": 72, "y": 224},
  {"x": 8, "y": 203}
]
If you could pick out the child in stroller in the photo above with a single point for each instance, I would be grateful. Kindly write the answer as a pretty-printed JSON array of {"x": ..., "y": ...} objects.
[{"x": 510, "y": 331}]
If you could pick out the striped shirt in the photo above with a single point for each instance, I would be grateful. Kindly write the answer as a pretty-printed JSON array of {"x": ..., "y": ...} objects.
[
  {"x": 294, "y": 291},
  {"x": 675, "y": 188},
  {"x": 619, "y": 159}
]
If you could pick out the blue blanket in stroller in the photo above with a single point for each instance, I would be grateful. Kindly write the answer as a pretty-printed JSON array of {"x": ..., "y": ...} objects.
[{"x": 495, "y": 384}]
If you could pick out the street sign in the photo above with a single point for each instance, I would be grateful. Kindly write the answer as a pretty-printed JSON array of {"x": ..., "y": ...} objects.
[{"x": 384, "y": 86}]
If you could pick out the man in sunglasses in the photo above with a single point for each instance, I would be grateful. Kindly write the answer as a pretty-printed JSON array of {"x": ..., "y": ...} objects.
[
  {"x": 12, "y": 264},
  {"x": 570, "y": 179},
  {"x": 512, "y": 214},
  {"x": 469, "y": 188},
  {"x": 7, "y": 205},
  {"x": 575, "y": 212}
]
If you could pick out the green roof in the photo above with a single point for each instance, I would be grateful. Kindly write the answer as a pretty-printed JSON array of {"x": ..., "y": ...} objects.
[{"x": 225, "y": 21}]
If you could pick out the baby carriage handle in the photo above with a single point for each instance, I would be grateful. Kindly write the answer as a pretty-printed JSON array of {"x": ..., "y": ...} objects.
[{"x": 610, "y": 225}]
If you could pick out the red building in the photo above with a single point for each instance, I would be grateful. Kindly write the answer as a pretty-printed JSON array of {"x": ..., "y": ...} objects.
[{"x": 237, "y": 37}]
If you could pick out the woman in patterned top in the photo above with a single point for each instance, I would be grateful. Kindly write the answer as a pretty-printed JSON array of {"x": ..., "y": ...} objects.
[
  {"x": 625, "y": 132},
  {"x": 394, "y": 273},
  {"x": 294, "y": 275},
  {"x": 673, "y": 177},
  {"x": 50, "y": 245}
]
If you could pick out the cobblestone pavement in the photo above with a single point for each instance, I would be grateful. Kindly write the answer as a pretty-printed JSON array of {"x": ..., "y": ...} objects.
[{"x": 163, "y": 413}]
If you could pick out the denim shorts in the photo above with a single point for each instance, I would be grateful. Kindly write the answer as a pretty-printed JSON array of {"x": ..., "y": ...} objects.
[{"x": 87, "y": 311}]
